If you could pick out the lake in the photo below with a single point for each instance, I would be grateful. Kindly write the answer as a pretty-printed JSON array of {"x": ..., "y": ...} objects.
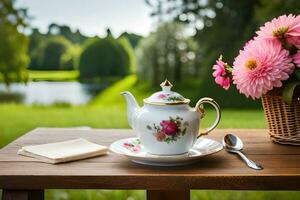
[{"x": 53, "y": 92}]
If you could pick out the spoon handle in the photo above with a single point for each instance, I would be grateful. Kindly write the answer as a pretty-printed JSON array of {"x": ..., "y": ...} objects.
[{"x": 249, "y": 162}]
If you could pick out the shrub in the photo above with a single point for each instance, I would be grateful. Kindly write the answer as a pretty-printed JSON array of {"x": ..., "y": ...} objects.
[
  {"x": 53, "y": 51},
  {"x": 132, "y": 38},
  {"x": 103, "y": 58},
  {"x": 125, "y": 45},
  {"x": 36, "y": 48},
  {"x": 69, "y": 60}
]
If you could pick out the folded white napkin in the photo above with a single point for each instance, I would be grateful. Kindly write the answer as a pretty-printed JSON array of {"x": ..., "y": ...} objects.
[{"x": 63, "y": 151}]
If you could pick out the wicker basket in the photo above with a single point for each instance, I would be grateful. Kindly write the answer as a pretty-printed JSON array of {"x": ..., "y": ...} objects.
[{"x": 283, "y": 119}]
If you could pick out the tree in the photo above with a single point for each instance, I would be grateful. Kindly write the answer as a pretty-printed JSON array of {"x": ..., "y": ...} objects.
[
  {"x": 60, "y": 45},
  {"x": 105, "y": 58},
  {"x": 266, "y": 11},
  {"x": 36, "y": 46},
  {"x": 13, "y": 43},
  {"x": 133, "y": 38},
  {"x": 109, "y": 33},
  {"x": 53, "y": 53},
  {"x": 69, "y": 60},
  {"x": 125, "y": 46},
  {"x": 65, "y": 31},
  {"x": 166, "y": 53}
]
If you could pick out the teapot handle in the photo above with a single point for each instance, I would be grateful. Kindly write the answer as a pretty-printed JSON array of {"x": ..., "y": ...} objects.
[{"x": 199, "y": 108}]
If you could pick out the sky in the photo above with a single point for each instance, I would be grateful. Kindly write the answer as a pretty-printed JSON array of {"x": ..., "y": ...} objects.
[{"x": 91, "y": 17}]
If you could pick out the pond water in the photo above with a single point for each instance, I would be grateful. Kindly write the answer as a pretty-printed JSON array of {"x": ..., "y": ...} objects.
[{"x": 53, "y": 92}]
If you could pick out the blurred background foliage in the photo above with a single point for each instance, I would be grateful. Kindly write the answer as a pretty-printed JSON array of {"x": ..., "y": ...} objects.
[
  {"x": 14, "y": 44},
  {"x": 188, "y": 36},
  {"x": 167, "y": 52},
  {"x": 105, "y": 58}
]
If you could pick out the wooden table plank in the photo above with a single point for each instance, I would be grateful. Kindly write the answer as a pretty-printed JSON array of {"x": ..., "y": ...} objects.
[
  {"x": 23, "y": 195},
  {"x": 168, "y": 194},
  {"x": 219, "y": 171}
]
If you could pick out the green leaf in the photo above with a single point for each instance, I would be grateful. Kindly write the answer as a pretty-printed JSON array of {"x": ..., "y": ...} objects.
[
  {"x": 297, "y": 73},
  {"x": 288, "y": 92},
  {"x": 149, "y": 127},
  {"x": 184, "y": 131}
]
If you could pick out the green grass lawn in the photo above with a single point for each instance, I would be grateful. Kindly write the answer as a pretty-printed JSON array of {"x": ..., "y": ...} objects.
[
  {"x": 17, "y": 119},
  {"x": 35, "y": 75},
  {"x": 44, "y": 75},
  {"x": 108, "y": 110}
]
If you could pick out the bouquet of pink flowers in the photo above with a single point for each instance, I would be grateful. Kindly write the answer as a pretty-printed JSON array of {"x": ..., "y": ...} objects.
[{"x": 270, "y": 60}]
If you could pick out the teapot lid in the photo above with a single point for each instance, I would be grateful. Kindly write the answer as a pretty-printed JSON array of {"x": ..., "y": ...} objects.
[{"x": 166, "y": 96}]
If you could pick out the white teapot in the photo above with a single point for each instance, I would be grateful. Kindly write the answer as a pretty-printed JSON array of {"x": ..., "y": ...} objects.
[{"x": 166, "y": 124}]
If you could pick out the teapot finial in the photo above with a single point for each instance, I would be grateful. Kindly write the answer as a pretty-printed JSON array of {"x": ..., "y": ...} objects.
[{"x": 166, "y": 85}]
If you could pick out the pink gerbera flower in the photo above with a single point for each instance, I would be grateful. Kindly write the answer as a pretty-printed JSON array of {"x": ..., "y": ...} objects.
[
  {"x": 285, "y": 26},
  {"x": 294, "y": 41},
  {"x": 260, "y": 66},
  {"x": 296, "y": 58}
]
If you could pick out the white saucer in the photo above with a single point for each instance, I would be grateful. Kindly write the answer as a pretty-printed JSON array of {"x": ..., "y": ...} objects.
[{"x": 131, "y": 148}]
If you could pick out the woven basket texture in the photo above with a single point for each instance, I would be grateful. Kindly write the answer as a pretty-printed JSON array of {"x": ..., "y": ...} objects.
[{"x": 283, "y": 119}]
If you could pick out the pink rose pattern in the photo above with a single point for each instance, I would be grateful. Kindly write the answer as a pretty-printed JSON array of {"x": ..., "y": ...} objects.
[
  {"x": 134, "y": 146},
  {"x": 162, "y": 96},
  {"x": 169, "y": 130},
  {"x": 169, "y": 127},
  {"x": 160, "y": 136},
  {"x": 169, "y": 97}
]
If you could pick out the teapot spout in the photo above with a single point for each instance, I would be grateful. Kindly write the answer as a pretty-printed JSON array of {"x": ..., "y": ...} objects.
[{"x": 132, "y": 108}]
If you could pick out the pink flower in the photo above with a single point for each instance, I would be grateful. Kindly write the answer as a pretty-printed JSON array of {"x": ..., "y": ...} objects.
[
  {"x": 223, "y": 81},
  {"x": 162, "y": 96},
  {"x": 127, "y": 145},
  {"x": 169, "y": 127},
  {"x": 136, "y": 149},
  {"x": 260, "y": 66},
  {"x": 221, "y": 77},
  {"x": 160, "y": 136},
  {"x": 285, "y": 26},
  {"x": 296, "y": 58},
  {"x": 219, "y": 68},
  {"x": 295, "y": 41}
]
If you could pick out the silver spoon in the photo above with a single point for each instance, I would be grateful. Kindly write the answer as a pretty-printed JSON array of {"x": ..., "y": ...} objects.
[{"x": 234, "y": 144}]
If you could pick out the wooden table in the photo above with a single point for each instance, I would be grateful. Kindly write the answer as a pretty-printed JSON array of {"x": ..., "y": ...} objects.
[{"x": 26, "y": 178}]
